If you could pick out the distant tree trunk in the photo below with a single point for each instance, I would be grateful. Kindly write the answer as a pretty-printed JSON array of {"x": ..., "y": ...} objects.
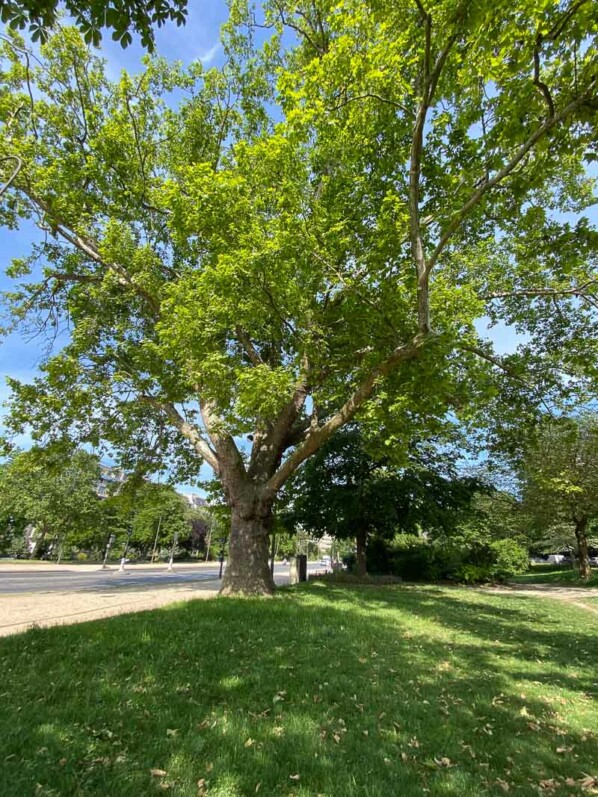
[
  {"x": 247, "y": 568},
  {"x": 581, "y": 535},
  {"x": 360, "y": 543},
  {"x": 38, "y": 543}
]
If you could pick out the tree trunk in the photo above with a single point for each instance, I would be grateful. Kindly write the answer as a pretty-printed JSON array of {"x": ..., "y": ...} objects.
[
  {"x": 37, "y": 544},
  {"x": 581, "y": 529},
  {"x": 360, "y": 541},
  {"x": 247, "y": 568}
]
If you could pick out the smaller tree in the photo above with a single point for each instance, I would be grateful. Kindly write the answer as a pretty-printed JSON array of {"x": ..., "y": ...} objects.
[
  {"x": 56, "y": 496},
  {"x": 560, "y": 478},
  {"x": 348, "y": 493},
  {"x": 150, "y": 515}
]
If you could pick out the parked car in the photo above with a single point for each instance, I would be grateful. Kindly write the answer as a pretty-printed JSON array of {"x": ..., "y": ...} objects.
[{"x": 556, "y": 559}]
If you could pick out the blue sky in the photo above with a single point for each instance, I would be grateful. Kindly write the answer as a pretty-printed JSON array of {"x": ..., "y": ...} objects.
[{"x": 197, "y": 40}]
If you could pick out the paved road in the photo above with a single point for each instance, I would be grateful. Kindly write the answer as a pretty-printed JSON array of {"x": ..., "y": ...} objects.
[{"x": 23, "y": 581}]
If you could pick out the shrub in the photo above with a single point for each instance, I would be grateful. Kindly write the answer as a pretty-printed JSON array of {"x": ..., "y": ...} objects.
[
  {"x": 510, "y": 559},
  {"x": 18, "y": 547},
  {"x": 415, "y": 559},
  {"x": 473, "y": 574}
]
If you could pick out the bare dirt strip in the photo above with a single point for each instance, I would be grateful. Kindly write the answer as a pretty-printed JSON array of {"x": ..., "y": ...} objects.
[
  {"x": 18, "y": 612},
  {"x": 573, "y": 595}
]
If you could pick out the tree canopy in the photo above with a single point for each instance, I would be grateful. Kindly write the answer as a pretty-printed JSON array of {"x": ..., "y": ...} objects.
[
  {"x": 309, "y": 233},
  {"x": 348, "y": 493},
  {"x": 120, "y": 16},
  {"x": 58, "y": 499},
  {"x": 560, "y": 480}
]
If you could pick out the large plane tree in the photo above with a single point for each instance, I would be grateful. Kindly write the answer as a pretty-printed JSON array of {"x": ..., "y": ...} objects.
[{"x": 247, "y": 258}]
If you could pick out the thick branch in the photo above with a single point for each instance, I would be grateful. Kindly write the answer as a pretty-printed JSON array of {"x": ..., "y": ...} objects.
[
  {"x": 431, "y": 76},
  {"x": 269, "y": 447},
  {"x": 73, "y": 277},
  {"x": 320, "y": 434},
  {"x": 90, "y": 248},
  {"x": 248, "y": 346},
  {"x": 16, "y": 170},
  {"x": 538, "y": 83},
  {"x": 506, "y": 170},
  {"x": 579, "y": 290},
  {"x": 417, "y": 248},
  {"x": 230, "y": 460},
  {"x": 188, "y": 431}
]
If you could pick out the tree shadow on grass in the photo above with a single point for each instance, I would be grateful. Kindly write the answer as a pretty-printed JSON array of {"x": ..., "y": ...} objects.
[{"x": 355, "y": 691}]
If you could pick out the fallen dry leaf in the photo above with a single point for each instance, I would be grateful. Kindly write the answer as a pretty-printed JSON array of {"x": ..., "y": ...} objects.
[
  {"x": 158, "y": 773},
  {"x": 549, "y": 784},
  {"x": 294, "y": 777}
]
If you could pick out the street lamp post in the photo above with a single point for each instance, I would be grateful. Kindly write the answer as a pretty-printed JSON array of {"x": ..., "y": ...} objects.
[
  {"x": 109, "y": 545},
  {"x": 156, "y": 540},
  {"x": 174, "y": 542}
]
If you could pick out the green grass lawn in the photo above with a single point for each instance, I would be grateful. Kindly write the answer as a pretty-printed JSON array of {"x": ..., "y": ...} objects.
[
  {"x": 323, "y": 690},
  {"x": 557, "y": 575}
]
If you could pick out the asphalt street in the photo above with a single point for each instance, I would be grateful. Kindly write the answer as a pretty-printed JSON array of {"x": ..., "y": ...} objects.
[{"x": 25, "y": 581}]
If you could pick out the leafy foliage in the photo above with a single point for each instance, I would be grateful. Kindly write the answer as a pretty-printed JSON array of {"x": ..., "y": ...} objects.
[
  {"x": 311, "y": 232},
  {"x": 139, "y": 16},
  {"x": 419, "y": 559},
  {"x": 57, "y": 497},
  {"x": 560, "y": 477},
  {"x": 344, "y": 491}
]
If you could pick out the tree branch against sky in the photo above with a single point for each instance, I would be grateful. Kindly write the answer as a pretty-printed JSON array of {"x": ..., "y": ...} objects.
[
  {"x": 120, "y": 18},
  {"x": 261, "y": 252}
]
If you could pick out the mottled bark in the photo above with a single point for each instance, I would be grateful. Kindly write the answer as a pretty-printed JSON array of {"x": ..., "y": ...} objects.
[
  {"x": 38, "y": 543},
  {"x": 247, "y": 569},
  {"x": 581, "y": 535}
]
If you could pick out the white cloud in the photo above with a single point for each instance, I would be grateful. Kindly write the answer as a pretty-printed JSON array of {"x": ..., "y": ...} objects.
[{"x": 210, "y": 54}]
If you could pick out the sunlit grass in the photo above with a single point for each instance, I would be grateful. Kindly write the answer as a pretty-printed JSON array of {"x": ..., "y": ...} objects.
[
  {"x": 323, "y": 690},
  {"x": 557, "y": 575}
]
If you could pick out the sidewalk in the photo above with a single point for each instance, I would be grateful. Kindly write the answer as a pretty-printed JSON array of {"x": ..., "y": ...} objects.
[{"x": 41, "y": 567}]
